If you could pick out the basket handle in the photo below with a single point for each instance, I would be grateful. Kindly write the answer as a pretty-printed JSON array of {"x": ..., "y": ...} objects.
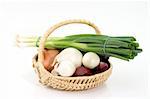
[{"x": 53, "y": 28}]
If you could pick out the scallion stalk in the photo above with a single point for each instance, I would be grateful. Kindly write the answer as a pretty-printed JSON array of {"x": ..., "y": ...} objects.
[{"x": 123, "y": 47}]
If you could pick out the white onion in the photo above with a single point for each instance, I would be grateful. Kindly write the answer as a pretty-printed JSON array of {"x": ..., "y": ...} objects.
[
  {"x": 90, "y": 60},
  {"x": 66, "y": 68},
  {"x": 70, "y": 54}
]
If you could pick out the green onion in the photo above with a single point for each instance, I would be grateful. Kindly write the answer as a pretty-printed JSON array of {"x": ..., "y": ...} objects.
[{"x": 122, "y": 47}]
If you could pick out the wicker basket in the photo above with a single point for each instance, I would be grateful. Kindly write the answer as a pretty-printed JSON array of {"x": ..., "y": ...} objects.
[{"x": 67, "y": 83}]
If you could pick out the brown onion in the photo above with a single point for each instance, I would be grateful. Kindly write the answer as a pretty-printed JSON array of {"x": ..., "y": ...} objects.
[{"x": 49, "y": 56}]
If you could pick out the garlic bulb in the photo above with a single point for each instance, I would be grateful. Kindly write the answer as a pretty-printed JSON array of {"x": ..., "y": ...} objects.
[
  {"x": 70, "y": 54},
  {"x": 66, "y": 68},
  {"x": 90, "y": 60}
]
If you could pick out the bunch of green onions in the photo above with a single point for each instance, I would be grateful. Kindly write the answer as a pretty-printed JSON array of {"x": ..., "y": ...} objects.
[{"x": 123, "y": 47}]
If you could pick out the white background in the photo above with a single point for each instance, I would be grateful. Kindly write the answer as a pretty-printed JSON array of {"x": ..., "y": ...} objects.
[{"x": 116, "y": 18}]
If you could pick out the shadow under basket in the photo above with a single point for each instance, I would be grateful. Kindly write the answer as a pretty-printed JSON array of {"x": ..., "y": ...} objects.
[{"x": 69, "y": 83}]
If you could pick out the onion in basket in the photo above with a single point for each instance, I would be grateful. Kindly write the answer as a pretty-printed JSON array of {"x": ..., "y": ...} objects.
[
  {"x": 70, "y": 54},
  {"x": 90, "y": 60},
  {"x": 49, "y": 56},
  {"x": 67, "y": 61},
  {"x": 65, "y": 68},
  {"x": 83, "y": 71}
]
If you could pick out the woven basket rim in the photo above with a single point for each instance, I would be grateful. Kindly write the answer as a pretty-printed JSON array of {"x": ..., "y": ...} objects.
[{"x": 74, "y": 77}]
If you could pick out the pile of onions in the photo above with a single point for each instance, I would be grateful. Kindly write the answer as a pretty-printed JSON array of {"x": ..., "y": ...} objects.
[{"x": 71, "y": 62}]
